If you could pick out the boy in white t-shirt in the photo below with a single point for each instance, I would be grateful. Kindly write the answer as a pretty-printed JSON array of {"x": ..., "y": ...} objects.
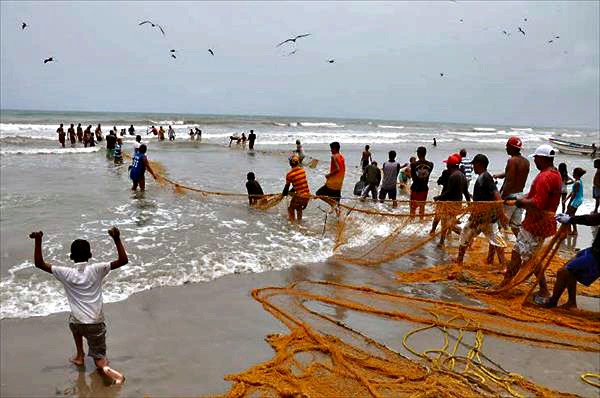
[{"x": 83, "y": 287}]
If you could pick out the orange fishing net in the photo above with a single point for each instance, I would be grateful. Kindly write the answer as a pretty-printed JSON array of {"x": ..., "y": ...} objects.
[{"x": 321, "y": 356}]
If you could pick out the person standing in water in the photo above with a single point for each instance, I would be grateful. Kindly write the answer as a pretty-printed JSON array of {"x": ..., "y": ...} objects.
[
  {"x": 111, "y": 141},
  {"x": 296, "y": 177},
  {"x": 98, "y": 133},
  {"x": 198, "y": 134},
  {"x": 131, "y": 130},
  {"x": 72, "y": 135},
  {"x": 61, "y": 135},
  {"x": 251, "y": 139},
  {"x": 254, "y": 189},
  {"x": 366, "y": 158},
  {"x": 420, "y": 172},
  {"x": 391, "y": 169},
  {"x": 299, "y": 151},
  {"x": 334, "y": 180},
  {"x": 83, "y": 288},
  {"x": 515, "y": 176},
  {"x": 118, "y": 152},
  {"x": 139, "y": 166},
  {"x": 576, "y": 195},
  {"x": 171, "y": 134},
  {"x": 79, "y": 133}
]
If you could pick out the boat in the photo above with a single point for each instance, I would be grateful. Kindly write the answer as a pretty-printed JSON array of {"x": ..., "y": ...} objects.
[{"x": 573, "y": 148}]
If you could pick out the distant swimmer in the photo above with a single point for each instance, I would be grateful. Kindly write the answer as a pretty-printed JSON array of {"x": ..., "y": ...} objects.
[
  {"x": 131, "y": 130},
  {"x": 522, "y": 31},
  {"x": 154, "y": 25},
  {"x": 293, "y": 40},
  {"x": 23, "y": 26},
  {"x": 51, "y": 59},
  {"x": 61, "y": 135},
  {"x": 331, "y": 61},
  {"x": 138, "y": 169},
  {"x": 211, "y": 52}
]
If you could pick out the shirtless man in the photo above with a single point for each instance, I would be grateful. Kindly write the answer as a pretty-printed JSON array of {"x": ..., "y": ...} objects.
[
  {"x": 515, "y": 176},
  {"x": 79, "y": 133}
]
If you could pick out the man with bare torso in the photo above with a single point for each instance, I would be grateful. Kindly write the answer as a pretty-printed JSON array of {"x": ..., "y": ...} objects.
[{"x": 515, "y": 176}]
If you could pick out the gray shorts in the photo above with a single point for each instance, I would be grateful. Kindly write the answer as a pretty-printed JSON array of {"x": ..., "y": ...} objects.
[
  {"x": 95, "y": 334},
  {"x": 514, "y": 215}
]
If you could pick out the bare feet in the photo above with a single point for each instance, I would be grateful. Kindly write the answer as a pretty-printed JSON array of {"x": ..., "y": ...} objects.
[
  {"x": 77, "y": 361},
  {"x": 112, "y": 374}
]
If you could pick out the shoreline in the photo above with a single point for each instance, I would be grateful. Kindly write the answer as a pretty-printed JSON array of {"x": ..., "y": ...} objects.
[{"x": 183, "y": 340}]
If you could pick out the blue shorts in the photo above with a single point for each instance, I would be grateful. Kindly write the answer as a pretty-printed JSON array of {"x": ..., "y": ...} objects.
[{"x": 584, "y": 267}]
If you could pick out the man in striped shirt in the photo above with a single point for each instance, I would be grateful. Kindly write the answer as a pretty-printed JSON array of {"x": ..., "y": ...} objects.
[
  {"x": 466, "y": 166},
  {"x": 297, "y": 178}
]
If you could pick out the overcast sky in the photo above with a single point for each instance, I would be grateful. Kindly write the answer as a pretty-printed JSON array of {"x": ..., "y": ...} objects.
[{"x": 388, "y": 59}]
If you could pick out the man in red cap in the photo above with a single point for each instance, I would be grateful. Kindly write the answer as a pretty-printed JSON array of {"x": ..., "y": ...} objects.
[
  {"x": 515, "y": 176},
  {"x": 453, "y": 191},
  {"x": 541, "y": 203}
]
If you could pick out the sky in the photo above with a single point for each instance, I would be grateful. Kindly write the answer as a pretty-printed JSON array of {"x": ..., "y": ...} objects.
[{"x": 388, "y": 59}]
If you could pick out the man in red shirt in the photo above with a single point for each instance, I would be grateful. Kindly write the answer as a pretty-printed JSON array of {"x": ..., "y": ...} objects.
[{"x": 540, "y": 203}]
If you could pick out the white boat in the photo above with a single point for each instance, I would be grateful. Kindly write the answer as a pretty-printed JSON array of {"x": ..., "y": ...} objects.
[{"x": 574, "y": 148}]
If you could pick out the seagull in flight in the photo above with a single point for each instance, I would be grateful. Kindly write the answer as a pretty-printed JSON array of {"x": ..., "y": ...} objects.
[
  {"x": 506, "y": 33},
  {"x": 441, "y": 75},
  {"x": 331, "y": 61},
  {"x": 461, "y": 20},
  {"x": 211, "y": 52},
  {"x": 51, "y": 59},
  {"x": 550, "y": 41},
  {"x": 293, "y": 39},
  {"x": 173, "y": 56},
  {"x": 291, "y": 53},
  {"x": 154, "y": 25},
  {"x": 23, "y": 26},
  {"x": 522, "y": 31},
  {"x": 172, "y": 51}
]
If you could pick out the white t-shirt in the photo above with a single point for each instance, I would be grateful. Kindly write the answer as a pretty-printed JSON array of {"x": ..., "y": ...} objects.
[
  {"x": 136, "y": 146},
  {"x": 83, "y": 286}
]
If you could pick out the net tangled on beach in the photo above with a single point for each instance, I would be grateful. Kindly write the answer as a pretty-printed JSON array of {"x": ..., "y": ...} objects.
[{"x": 321, "y": 356}]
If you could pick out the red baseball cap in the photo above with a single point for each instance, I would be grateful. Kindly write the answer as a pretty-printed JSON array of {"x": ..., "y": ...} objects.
[
  {"x": 515, "y": 142},
  {"x": 454, "y": 159}
]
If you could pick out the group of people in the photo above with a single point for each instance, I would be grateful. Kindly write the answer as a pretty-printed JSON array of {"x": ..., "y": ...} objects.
[
  {"x": 85, "y": 137},
  {"x": 241, "y": 140}
]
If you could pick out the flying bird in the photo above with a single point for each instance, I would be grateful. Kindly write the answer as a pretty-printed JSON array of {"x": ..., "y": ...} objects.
[
  {"x": 23, "y": 26},
  {"x": 291, "y": 53},
  {"x": 441, "y": 74},
  {"x": 173, "y": 56},
  {"x": 525, "y": 19},
  {"x": 557, "y": 37},
  {"x": 550, "y": 41},
  {"x": 331, "y": 61},
  {"x": 506, "y": 33},
  {"x": 293, "y": 39},
  {"x": 51, "y": 59},
  {"x": 172, "y": 51},
  {"x": 461, "y": 20},
  {"x": 211, "y": 52},
  {"x": 154, "y": 25},
  {"x": 522, "y": 31}
]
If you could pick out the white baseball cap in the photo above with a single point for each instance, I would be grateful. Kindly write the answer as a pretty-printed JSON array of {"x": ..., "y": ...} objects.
[{"x": 545, "y": 150}]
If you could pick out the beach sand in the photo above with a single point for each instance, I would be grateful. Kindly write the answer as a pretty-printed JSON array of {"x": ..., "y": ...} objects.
[{"x": 182, "y": 341}]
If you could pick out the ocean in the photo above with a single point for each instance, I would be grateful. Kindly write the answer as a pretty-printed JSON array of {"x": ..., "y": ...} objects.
[{"x": 173, "y": 239}]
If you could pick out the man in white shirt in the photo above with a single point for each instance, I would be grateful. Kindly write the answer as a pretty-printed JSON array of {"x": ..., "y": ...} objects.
[
  {"x": 83, "y": 288},
  {"x": 137, "y": 143}
]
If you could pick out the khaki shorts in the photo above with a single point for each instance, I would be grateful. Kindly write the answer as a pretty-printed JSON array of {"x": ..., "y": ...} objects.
[
  {"x": 95, "y": 334},
  {"x": 299, "y": 202},
  {"x": 514, "y": 215},
  {"x": 489, "y": 230},
  {"x": 527, "y": 244}
]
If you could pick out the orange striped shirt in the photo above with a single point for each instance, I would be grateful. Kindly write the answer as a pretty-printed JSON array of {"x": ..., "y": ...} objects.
[{"x": 297, "y": 177}]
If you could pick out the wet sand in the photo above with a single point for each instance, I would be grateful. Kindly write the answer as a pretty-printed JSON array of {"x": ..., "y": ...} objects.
[{"x": 181, "y": 341}]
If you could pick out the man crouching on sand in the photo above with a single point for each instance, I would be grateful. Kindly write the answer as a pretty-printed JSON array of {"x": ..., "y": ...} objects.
[{"x": 83, "y": 287}]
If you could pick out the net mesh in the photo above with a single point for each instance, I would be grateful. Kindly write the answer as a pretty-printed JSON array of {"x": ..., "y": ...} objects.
[{"x": 321, "y": 356}]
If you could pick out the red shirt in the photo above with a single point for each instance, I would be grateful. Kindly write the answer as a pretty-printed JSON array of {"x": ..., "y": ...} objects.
[{"x": 545, "y": 193}]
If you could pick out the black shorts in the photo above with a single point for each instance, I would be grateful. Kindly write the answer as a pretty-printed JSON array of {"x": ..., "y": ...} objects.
[
  {"x": 95, "y": 334},
  {"x": 332, "y": 193},
  {"x": 391, "y": 193}
]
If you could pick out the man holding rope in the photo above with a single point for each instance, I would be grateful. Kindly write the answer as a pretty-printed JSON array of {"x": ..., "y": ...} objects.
[{"x": 540, "y": 204}]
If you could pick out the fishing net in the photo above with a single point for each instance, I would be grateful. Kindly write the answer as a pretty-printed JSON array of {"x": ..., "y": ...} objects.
[{"x": 322, "y": 356}]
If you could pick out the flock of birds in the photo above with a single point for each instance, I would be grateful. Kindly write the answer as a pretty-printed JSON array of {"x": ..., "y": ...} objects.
[{"x": 173, "y": 52}]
